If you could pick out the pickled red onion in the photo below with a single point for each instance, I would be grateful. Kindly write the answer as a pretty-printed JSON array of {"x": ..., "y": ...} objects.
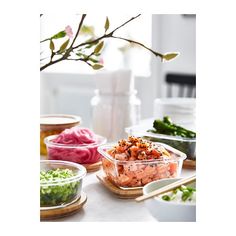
[
  {"x": 76, "y": 135},
  {"x": 80, "y": 146}
]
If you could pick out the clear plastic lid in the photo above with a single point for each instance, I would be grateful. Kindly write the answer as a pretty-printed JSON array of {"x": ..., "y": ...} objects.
[{"x": 59, "y": 119}]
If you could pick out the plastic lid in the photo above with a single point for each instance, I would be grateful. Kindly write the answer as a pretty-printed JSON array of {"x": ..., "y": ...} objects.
[
  {"x": 59, "y": 119},
  {"x": 176, "y": 101}
]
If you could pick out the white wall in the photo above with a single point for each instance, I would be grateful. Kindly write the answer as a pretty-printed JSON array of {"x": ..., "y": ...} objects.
[{"x": 176, "y": 33}]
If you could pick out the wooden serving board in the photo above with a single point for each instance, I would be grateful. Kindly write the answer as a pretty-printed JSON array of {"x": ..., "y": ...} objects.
[
  {"x": 64, "y": 211},
  {"x": 93, "y": 167},
  {"x": 189, "y": 164},
  {"x": 121, "y": 193}
]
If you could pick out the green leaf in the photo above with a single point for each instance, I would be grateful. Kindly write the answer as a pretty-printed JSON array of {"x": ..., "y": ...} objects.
[
  {"x": 89, "y": 30},
  {"x": 94, "y": 60},
  {"x": 61, "y": 34},
  {"x": 51, "y": 45},
  {"x": 107, "y": 24},
  {"x": 64, "y": 45},
  {"x": 97, "y": 66},
  {"x": 98, "y": 47},
  {"x": 79, "y": 54},
  {"x": 97, "y": 54},
  {"x": 170, "y": 56}
]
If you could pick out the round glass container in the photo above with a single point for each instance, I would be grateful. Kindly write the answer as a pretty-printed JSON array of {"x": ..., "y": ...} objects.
[
  {"x": 55, "y": 124},
  {"x": 78, "y": 153},
  {"x": 56, "y": 193}
]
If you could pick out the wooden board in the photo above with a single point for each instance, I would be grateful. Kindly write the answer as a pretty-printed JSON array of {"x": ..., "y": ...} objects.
[
  {"x": 121, "y": 193},
  {"x": 64, "y": 211},
  {"x": 93, "y": 167},
  {"x": 189, "y": 164}
]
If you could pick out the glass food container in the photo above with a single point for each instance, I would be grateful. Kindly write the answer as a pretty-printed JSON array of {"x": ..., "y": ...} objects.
[
  {"x": 78, "y": 153},
  {"x": 185, "y": 145},
  {"x": 181, "y": 110},
  {"x": 136, "y": 174},
  {"x": 112, "y": 112},
  {"x": 61, "y": 192},
  {"x": 55, "y": 124}
]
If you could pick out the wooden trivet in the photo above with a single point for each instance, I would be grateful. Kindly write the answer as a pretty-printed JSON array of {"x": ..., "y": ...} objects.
[
  {"x": 189, "y": 164},
  {"x": 93, "y": 167},
  {"x": 64, "y": 211},
  {"x": 121, "y": 193}
]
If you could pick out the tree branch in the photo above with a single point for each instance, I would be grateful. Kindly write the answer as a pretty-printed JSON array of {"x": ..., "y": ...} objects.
[
  {"x": 140, "y": 44},
  {"x": 106, "y": 35},
  {"x": 79, "y": 59},
  {"x": 51, "y": 63},
  {"x": 78, "y": 30},
  {"x": 113, "y": 31}
]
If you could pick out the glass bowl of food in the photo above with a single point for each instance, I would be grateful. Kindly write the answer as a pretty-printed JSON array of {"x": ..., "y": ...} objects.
[
  {"x": 135, "y": 162},
  {"x": 60, "y": 183},
  {"x": 55, "y": 124},
  {"x": 77, "y": 145}
]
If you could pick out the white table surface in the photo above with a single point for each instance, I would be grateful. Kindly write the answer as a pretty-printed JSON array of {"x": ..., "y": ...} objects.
[{"x": 102, "y": 205}]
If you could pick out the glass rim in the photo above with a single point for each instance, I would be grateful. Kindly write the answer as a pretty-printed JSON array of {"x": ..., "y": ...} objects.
[
  {"x": 49, "y": 143},
  {"x": 78, "y": 176},
  {"x": 182, "y": 156}
]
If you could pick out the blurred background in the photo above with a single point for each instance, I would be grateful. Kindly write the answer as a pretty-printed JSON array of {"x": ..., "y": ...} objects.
[{"x": 68, "y": 87}]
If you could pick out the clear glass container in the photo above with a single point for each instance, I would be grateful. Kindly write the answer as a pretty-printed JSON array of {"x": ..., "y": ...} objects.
[
  {"x": 55, "y": 124},
  {"x": 61, "y": 192},
  {"x": 111, "y": 113},
  {"x": 78, "y": 153},
  {"x": 136, "y": 174},
  {"x": 182, "y": 111}
]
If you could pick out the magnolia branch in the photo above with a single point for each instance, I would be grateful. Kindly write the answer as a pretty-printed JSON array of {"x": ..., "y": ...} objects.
[
  {"x": 67, "y": 53},
  {"x": 140, "y": 44}
]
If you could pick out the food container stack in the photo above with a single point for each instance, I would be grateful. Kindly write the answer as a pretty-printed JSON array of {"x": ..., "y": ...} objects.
[
  {"x": 55, "y": 124},
  {"x": 181, "y": 110}
]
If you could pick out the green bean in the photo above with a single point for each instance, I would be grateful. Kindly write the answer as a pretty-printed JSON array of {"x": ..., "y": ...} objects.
[{"x": 166, "y": 126}]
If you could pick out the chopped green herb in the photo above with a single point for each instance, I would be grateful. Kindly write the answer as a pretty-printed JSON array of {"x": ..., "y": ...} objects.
[
  {"x": 166, "y": 197},
  {"x": 57, "y": 194},
  {"x": 186, "y": 193}
]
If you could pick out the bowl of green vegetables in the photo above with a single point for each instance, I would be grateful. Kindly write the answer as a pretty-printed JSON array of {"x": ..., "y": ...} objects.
[{"x": 60, "y": 183}]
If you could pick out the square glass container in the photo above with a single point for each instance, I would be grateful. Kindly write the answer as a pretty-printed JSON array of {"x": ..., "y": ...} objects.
[{"x": 136, "y": 174}]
